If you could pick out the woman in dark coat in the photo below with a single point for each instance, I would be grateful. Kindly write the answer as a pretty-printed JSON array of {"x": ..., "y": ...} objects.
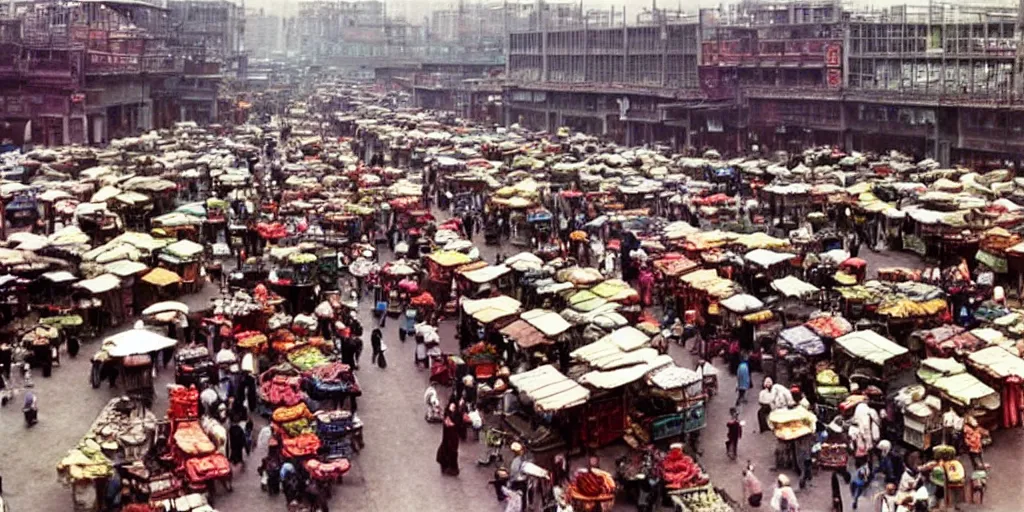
[
  {"x": 237, "y": 443},
  {"x": 448, "y": 452}
]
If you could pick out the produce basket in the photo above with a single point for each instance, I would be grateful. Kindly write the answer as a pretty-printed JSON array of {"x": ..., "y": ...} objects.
[
  {"x": 287, "y": 414},
  {"x": 320, "y": 470},
  {"x": 306, "y": 357},
  {"x": 210, "y": 467},
  {"x": 305, "y": 445}
]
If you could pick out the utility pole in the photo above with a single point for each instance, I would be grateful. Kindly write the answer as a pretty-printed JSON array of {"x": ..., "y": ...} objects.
[{"x": 1018, "y": 68}]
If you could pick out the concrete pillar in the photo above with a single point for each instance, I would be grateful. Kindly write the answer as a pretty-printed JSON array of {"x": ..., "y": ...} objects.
[
  {"x": 213, "y": 111},
  {"x": 604, "y": 125},
  {"x": 629, "y": 133},
  {"x": 182, "y": 118},
  {"x": 66, "y": 136}
]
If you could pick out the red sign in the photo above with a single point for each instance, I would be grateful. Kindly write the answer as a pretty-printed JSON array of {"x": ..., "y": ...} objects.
[
  {"x": 77, "y": 97},
  {"x": 833, "y": 55},
  {"x": 835, "y": 78}
]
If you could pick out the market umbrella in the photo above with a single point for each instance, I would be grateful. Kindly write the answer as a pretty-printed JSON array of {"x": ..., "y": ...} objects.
[
  {"x": 398, "y": 268},
  {"x": 167, "y": 305},
  {"x": 136, "y": 341},
  {"x": 362, "y": 267}
]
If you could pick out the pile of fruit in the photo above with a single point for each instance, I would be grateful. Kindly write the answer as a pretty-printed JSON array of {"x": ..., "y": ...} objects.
[
  {"x": 705, "y": 500},
  {"x": 481, "y": 353},
  {"x": 593, "y": 485},
  {"x": 306, "y": 358},
  {"x": 680, "y": 471}
]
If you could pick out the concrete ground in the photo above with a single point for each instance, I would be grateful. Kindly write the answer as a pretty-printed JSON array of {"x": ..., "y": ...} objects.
[{"x": 396, "y": 472}]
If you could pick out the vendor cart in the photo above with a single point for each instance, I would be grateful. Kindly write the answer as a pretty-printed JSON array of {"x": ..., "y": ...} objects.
[{"x": 193, "y": 366}]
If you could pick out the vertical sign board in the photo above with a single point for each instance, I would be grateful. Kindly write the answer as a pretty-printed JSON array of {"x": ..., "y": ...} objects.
[{"x": 834, "y": 63}]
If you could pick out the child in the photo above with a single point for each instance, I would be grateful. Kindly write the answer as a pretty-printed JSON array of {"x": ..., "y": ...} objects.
[
  {"x": 734, "y": 429},
  {"x": 752, "y": 489},
  {"x": 860, "y": 483}
]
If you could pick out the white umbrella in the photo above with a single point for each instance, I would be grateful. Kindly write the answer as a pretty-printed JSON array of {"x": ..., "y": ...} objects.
[
  {"x": 362, "y": 267},
  {"x": 167, "y": 305},
  {"x": 136, "y": 341}
]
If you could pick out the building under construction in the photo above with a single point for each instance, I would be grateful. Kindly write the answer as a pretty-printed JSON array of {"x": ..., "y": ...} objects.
[{"x": 938, "y": 81}]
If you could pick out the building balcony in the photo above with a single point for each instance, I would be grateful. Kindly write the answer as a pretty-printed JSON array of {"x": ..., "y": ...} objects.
[{"x": 105, "y": 63}]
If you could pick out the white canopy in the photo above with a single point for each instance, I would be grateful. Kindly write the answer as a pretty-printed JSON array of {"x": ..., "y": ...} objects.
[
  {"x": 742, "y": 303},
  {"x": 167, "y": 305},
  {"x": 766, "y": 258},
  {"x": 486, "y": 274},
  {"x": 136, "y": 341},
  {"x": 100, "y": 284},
  {"x": 791, "y": 286},
  {"x": 490, "y": 309},
  {"x": 548, "y": 322},
  {"x": 871, "y": 346},
  {"x": 549, "y": 389}
]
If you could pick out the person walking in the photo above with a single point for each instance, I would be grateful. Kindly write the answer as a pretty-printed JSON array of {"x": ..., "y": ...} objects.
[
  {"x": 742, "y": 381},
  {"x": 376, "y": 342},
  {"x": 752, "y": 489},
  {"x": 783, "y": 498},
  {"x": 734, "y": 431},
  {"x": 448, "y": 452}
]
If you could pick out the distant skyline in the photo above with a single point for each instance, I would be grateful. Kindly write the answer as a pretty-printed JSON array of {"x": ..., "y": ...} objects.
[{"x": 416, "y": 11}]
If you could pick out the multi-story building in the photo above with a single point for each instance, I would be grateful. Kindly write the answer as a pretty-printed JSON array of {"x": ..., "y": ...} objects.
[
  {"x": 939, "y": 81},
  {"x": 92, "y": 70},
  {"x": 264, "y": 35},
  {"x": 82, "y": 72},
  {"x": 628, "y": 82},
  {"x": 329, "y": 30}
]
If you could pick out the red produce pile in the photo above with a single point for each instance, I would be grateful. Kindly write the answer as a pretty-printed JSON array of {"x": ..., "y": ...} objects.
[{"x": 680, "y": 471}]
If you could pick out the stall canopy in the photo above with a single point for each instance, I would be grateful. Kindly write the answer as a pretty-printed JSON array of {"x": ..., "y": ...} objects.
[
  {"x": 136, "y": 341},
  {"x": 627, "y": 338},
  {"x": 549, "y": 323},
  {"x": 742, "y": 304},
  {"x": 622, "y": 376},
  {"x": 124, "y": 268},
  {"x": 870, "y": 346},
  {"x": 490, "y": 309},
  {"x": 549, "y": 390},
  {"x": 524, "y": 261},
  {"x": 165, "y": 306},
  {"x": 161, "y": 277},
  {"x": 99, "y": 284},
  {"x": 765, "y": 258},
  {"x": 802, "y": 340},
  {"x": 60, "y": 276},
  {"x": 486, "y": 274},
  {"x": 998, "y": 362},
  {"x": 525, "y": 335},
  {"x": 790, "y": 286},
  {"x": 449, "y": 258},
  {"x": 674, "y": 377},
  {"x": 957, "y": 386},
  {"x": 184, "y": 249}
]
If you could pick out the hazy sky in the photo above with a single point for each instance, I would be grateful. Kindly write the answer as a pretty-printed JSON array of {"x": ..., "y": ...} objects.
[{"x": 416, "y": 10}]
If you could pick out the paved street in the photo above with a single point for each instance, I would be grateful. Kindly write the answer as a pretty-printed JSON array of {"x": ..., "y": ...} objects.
[{"x": 396, "y": 471}]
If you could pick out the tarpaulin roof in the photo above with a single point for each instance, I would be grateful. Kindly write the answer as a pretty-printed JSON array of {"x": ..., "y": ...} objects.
[
  {"x": 100, "y": 284},
  {"x": 525, "y": 335},
  {"x": 490, "y": 309},
  {"x": 766, "y": 258},
  {"x": 549, "y": 389},
  {"x": 548, "y": 322},
  {"x": 958, "y": 386},
  {"x": 791, "y": 286},
  {"x": 870, "y": 346},
  {"x": 619, "y": 377},
  {"x": 486, "y": 274}
]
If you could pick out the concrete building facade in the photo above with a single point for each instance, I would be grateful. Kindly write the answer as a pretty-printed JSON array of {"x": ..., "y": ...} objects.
[{"x": 938, "y": 81}]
